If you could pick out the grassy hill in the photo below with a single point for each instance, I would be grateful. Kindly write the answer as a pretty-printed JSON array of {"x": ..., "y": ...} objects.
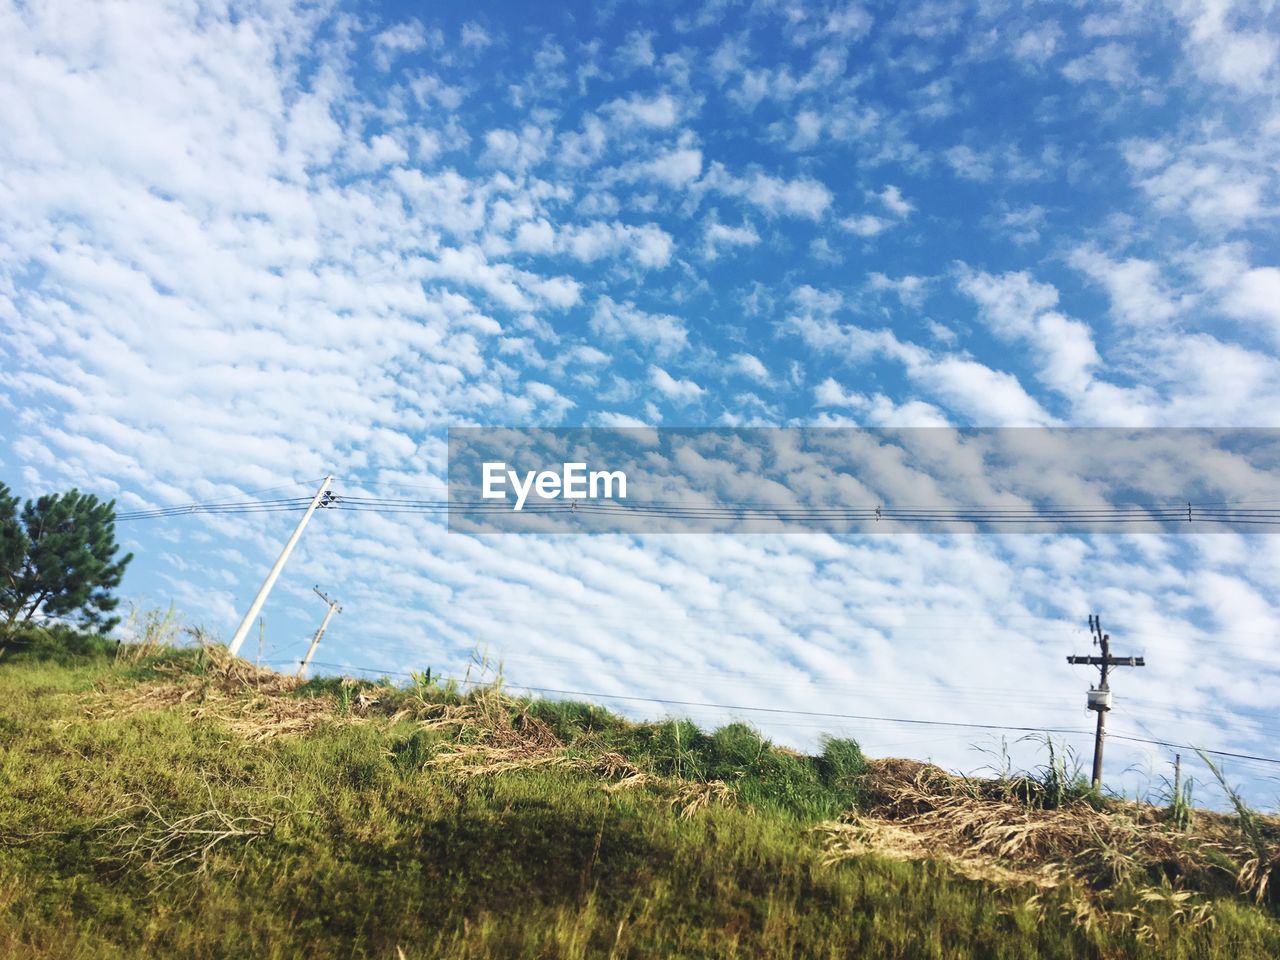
[{"x": 181, "y": 803}]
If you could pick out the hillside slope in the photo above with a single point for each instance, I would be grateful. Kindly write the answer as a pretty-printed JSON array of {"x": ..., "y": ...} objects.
[{"x": 188, "y": 805}]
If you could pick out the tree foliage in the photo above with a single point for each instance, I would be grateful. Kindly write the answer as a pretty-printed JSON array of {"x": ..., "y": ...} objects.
[{"x": 58, "y": 558}]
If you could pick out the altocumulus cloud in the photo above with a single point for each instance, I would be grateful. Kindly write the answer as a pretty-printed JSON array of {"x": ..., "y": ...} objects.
[{"x": 275, "y": 241}]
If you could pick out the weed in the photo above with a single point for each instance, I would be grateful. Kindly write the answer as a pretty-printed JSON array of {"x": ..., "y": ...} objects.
[{"x": 1261, "y": 846}]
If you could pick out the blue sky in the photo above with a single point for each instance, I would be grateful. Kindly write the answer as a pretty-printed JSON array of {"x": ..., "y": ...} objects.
[{"x": 246, "y": 245}]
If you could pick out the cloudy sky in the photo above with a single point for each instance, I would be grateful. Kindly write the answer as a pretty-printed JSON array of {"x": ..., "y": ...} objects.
[{"x": 246, "y": 245}]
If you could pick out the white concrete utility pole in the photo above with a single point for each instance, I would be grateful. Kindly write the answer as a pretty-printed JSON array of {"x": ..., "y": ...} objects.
[
  {"x": 324, "y": 625},
  {"x": 321, "y": 498}
]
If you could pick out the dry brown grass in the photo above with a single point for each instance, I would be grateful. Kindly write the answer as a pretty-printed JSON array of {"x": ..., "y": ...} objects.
[
  {"x": 487, "y": 717},
  {"x": 493, "y": 735},
  {"x": 986, "y": 829},
  {"x": 251, "y": 702}
]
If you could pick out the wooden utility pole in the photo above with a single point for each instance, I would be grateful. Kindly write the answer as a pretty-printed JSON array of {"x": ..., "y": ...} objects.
[
  {"x": 1100, "y": 696},
  {"x": 324, "y": 624}
]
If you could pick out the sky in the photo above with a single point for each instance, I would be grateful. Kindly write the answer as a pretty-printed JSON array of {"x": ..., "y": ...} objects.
[{"x": 247, "y": 245}]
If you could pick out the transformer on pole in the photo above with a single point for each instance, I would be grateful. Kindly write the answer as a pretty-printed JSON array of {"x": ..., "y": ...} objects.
[{"x": 1100, "y": 696}]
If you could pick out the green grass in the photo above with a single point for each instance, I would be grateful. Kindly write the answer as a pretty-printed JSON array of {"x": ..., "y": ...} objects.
[{"x": 344, "y": 842}]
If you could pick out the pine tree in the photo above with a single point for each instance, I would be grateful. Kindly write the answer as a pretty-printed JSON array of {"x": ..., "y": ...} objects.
[{"x": 58, "y": 559}]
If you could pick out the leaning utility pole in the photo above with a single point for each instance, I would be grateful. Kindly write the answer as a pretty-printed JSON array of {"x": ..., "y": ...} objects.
[
  {"x": 324, "y": 624},
  {"x": 322, "y": 498},
  {"x": 1100, "y": 696}
]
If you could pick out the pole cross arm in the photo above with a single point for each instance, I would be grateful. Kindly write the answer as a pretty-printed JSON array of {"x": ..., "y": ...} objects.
[{"x": 1109, "y": 661}]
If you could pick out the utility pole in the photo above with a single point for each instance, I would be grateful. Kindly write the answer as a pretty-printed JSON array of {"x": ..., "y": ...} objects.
[
  {"x": 321, "y": 499},
  {"x": 324, "y": 624},
  {"x": 1100, "y": 696}
]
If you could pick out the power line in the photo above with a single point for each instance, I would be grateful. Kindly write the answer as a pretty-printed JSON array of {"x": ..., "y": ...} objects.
[
  {"x": 727, "y": 706},
  {"x": 1150, "y": 513},
  {"x": 974, "y": 695},
  {"x": 1187, "y": 746},
  {"x": 908, "y": 721},
  {"x": 1046, "y": 514},
  {"x": 216, "y": 507}
]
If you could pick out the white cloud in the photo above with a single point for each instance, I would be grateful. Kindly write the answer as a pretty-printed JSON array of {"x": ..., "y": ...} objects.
[
  {"x": 1239, "y": 289},
  {"x": 676, "y": 167},
  {"x": 444, "y": 201},
  {"x": 1221, "y": 183},
  {"x": 474, "y": 36},
  {"x": 1024, "y": 223},
  {"x": 973, "y": 390},
  {"x": 1110, "y": 63},
  {"x": 380, "y": 151},
  {"x": 1256, "y": 296},
  {"x": 866, "y": 224},
  {"x": 719, "y": 236},
  {"x": 1038, "y": 44},
  {"x": 1017, "y": 308},
  {"x": 1145, "y": 154},
  {"x": 648, "y": 245},
  {"x": 391, "y": 44},
  {"x": 870, "y": 224},
  {"x": 851, "y": 21},
  {"x": 1137, "y": 293},
  {"x": 877, "y": 410},
  {"x": 535, "y": 236},
  {"x": 910, "y": 290},
  {"x": 660, "y": 111},
  {"x": 1243, "y": 59},
  {"x": 428, "y": 89},
  {"x": 986, "y": 397},
  {"x": 1010, "y": 302},
  {"x": 636, "y": 51},
  {"x": 517, "y": 151},
  {"x": 894, "y": 202},
  {"x": 618, "y": 322},
  {"x": 1214, "y": 193},
  {"x": 678, "y": 391},
  {"x": 802, "y": 197},
  {"x": 779, "y": 84},
  {"x": 970, "y": 164},
  {"x": 512, "y": 288},
  {"x": 829, "y": 393},
  {"x": 750, "y": 366},
  {"x": 619, "y": 420},
  {"x": 821, "y": 250},
  {"x": 808, "y": 130}
]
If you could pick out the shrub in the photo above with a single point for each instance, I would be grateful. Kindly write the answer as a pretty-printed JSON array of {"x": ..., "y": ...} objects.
[
  {"x": 56, "y": 642},
  {"x": 842, "y": 763}
]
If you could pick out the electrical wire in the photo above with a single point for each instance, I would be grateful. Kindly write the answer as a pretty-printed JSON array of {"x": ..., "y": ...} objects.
[
  {"x": 1047, "y": 514},
  {"x": 911, "y": 721},
  {"x": 219, "y": 507},
  {"x": 1122, "y": 514}
]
